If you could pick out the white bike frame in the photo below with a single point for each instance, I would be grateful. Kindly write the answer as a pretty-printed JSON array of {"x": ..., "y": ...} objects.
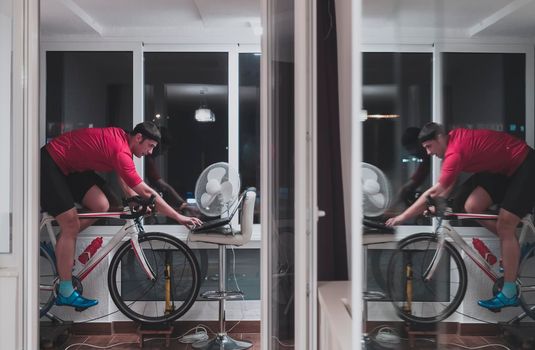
[
  {"x": 129, "y": 229},
  {"x": 445, "y": 230}
]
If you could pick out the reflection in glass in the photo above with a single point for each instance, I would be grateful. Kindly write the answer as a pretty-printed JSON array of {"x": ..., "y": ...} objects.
[
  {"x": 177, "y": 84},
  {"x": 249, "y": 129},
  {"x": 397, "y": 98},
  {"x": 281, "y": 174}
]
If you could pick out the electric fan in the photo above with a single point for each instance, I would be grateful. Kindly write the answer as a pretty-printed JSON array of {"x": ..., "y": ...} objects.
[
  {"x": 376, "y": 191},
  {"x": 217, "y": 189}
]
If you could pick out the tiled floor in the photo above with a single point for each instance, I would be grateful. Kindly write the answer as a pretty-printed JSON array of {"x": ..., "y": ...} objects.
[
  {"x": 131, "y": 341},
  {"x": 447, "y": 342}
]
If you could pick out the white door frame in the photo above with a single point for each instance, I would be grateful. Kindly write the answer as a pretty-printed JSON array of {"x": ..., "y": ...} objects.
[
  {"x": 305, "y": 191},
  {"x": 305, "y": 184},
  {"x": 355, "y": 219}
]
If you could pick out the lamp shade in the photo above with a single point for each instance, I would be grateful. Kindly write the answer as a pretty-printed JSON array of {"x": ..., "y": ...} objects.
[{"x": 204, "y": 115}]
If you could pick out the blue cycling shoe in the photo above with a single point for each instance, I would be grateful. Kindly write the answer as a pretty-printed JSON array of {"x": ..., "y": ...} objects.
[
  {"x": 499, "y": 302},
  {"x": 75, "y": 300}
]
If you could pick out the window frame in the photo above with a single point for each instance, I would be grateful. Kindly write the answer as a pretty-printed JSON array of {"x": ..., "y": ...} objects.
[{"x": 138, "y": 49}]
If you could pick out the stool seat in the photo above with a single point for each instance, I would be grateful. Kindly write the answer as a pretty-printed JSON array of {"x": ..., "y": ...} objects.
[
  {"x": 236, "y": 238},
  {"x": 373, "y": 295},
  {"x": 217, "y": 295}
]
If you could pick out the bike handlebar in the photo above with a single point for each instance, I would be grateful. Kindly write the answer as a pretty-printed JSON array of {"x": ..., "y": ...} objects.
[
  {"x": 437, "y": 206},
  {"x": 139, "y": 206},
  {"x": 377, "y": 225}
]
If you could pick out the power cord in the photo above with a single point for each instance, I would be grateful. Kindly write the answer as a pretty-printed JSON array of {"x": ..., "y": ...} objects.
[
  {"x": 387, "y": 335},
  {"x": 195, "y": 337},
  {"x": 185, "y": 338},
  {"x": 479, "y": 347},
  {"x": 284, "y": 345}
]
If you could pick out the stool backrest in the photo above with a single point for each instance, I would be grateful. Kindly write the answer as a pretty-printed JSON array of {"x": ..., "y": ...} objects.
[{"x": 247, "y": 215}]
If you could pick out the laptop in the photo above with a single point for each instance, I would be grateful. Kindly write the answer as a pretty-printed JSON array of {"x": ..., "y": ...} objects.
[{"x": 218, "y": 223}]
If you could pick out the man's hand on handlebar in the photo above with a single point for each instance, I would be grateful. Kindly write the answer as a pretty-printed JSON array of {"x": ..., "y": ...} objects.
[
  {"x": 141, "y": 206},
  {"x": 396, "y": 220}
]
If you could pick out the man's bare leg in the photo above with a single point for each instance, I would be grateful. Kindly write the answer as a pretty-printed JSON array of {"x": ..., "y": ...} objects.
[
  {"x": 477, "y": 202},
  {"x": 507, "y": 223},
  {"x": 95, "y": 200},
  {"x": 65, "y": 246}
]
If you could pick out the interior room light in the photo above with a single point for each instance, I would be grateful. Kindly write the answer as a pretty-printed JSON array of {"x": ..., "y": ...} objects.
[
  {"x": 383, "y": 116},
  {"x": 363, "y": 115},
  {"x": 203, "y": 114}
]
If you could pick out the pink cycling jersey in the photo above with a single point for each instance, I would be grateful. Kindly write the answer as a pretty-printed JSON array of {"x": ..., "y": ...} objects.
[
  {"x": 97, "y": 149},
  {"x": 475, "y": 151}
]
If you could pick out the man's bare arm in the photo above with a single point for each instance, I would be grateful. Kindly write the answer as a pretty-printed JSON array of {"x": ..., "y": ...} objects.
[
  {"x": 125, "y": 188},
  {"x": 146, "y": 191},
  {"x": 419, "y": 206}
]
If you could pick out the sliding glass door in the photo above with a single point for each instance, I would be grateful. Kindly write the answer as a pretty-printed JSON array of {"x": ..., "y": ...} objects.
[{"x": 289, "y": 176}]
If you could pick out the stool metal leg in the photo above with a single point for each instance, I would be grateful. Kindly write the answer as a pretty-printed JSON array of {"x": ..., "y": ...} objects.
[{"x": 222, "y": 340}]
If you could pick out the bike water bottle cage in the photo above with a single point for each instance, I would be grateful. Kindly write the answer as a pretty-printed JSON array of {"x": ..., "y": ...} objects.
[{"x": 139, "y": 206}]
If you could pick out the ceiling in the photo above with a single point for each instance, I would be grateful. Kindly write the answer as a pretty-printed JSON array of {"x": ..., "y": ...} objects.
[
  {"x": 181, "y": 21},
  {"x": 224, "y": 21},
  {"x": 423, "y": 20}
]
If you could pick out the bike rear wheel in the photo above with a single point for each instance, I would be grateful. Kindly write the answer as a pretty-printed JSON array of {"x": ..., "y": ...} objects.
[
  {"x": 526, "y": 282},
  {"x": 176, "y": 284},
  {"x": 418, "y": 300},
  {"x": 48, "y": 275}
]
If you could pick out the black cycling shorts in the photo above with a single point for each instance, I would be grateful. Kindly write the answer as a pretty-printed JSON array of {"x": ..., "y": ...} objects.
[
  {"x": 515, "y": 193},
  {"x": 60, "y": 192},
  {"x": 520, "y": 195}
]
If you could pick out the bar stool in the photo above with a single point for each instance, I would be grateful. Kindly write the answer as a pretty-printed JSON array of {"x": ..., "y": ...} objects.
[{"x": 237, "y": 238}]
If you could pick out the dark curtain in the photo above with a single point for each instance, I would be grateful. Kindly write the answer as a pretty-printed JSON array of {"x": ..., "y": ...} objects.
[{"x": 332, "y": 253}]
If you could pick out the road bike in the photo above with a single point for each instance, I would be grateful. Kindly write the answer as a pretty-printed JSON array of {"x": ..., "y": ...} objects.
[
  {"x": 153, "y": 277},
  {"x": 427, "y": 277}
]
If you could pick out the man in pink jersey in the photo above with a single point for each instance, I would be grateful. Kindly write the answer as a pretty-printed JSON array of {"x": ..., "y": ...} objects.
[
  {"x": 485, "y": 152},
  {"x": 68, "y": 165}
]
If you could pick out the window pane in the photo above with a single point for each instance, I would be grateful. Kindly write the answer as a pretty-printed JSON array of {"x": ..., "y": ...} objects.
[
  {"x": 89, "y": 89},
  {"x": 485, "y": 91},
  {"x": 249, "y": 133},
  {"x": 176, "y": 85},
  {"x": 397, "y": 96}
]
